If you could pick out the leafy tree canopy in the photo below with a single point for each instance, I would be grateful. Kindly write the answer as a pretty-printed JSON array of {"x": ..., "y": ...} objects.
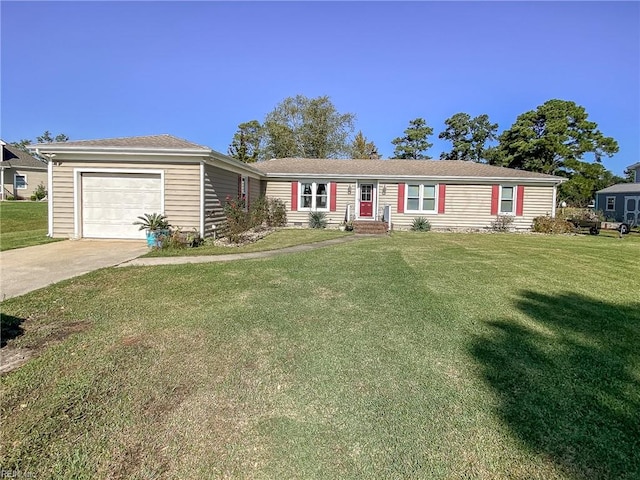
[
  {"x": 361, "y": 148},
  {"x": 47, "y": 138},
  {"x": 414, "y": 143},
  {"x": 469, "y": 137},
  {"x": 585, "y": 180},
  {"x": 308, "y": 128},
  {"x": 547, "y": 139},
  {"x": 247, "y": 142},
  {"x": 44, "y": 138}
]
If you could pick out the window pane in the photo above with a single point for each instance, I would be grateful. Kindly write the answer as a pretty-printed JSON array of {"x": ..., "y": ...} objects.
[
  {"x": 321, "y": 195},
  {"x": 414, "y": 191},
  {"x": 21, "y": 181},
  {"x": 429, "y": 204},
  {"x": 306, "y": 197},
  {"x": 507, "y": 193},
  {"x": 506, "y": 206},
  {"x": 413, "y": 203},
  {"x": 611, "y": 203},
  {"x": 429, "y": 191}
]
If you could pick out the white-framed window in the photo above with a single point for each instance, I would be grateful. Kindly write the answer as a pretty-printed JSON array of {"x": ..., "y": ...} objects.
[
  {"x": 507, "y": 200},
  {"x": 611, "y": 203},
  {"x": 421, "y": 198},
  {"x": 20, "y": 181},
  {"x": 314, "y": 196}
]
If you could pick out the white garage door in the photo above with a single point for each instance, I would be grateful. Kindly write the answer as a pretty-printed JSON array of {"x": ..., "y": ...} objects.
[{"x": 111, "y": 202}]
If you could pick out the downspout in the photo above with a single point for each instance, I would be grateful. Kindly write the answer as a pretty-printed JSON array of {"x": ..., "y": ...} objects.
[
  {"x": 2, "y": 170},
  {"x": 553, "y": 208},
  {"x": 202, "y": 197},
  {"x": 50, "y": 197}
]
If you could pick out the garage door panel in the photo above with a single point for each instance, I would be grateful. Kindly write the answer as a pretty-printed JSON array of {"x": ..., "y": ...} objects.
[{"x": 111, "y": 202}]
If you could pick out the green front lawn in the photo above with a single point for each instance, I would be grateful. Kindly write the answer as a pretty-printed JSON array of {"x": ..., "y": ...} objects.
[
  {"x": 23, "y": 224},
  {"x": 410, "y": 356}
]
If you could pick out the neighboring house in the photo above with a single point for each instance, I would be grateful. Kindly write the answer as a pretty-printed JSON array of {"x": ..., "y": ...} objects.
[
  {"x": 635, "y": 168},
  {"x": 97, "y": 188},
  {"x": 20, "y": 173},
  {"x": 621, "y": 202},
  {"x": 451, "y": 194}
]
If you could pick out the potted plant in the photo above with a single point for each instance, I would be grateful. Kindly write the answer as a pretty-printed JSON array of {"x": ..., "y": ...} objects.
[{"x": 157, "y": 228}]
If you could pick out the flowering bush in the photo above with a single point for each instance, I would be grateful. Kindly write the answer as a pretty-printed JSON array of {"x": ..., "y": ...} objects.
[
  {"x": 277, "y": 213},
  {"x": 240, "y": 219},
  {"x": 237, "y": 218}
]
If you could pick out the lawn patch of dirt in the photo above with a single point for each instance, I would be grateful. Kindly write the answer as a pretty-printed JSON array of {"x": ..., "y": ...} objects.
[
  {"x": 40, "y": 337},
  {"x": 12, "y": 358}
]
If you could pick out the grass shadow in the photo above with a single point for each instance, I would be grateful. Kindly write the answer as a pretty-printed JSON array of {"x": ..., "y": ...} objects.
[
  {"x": 10, "y": 328},
  {"x": 568, "y": 380}
]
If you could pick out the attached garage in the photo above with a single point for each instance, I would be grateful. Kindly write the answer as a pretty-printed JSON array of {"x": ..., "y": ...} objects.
[
  {"x": 98, "y": 188},
  {"x": 111, "y": 202}
]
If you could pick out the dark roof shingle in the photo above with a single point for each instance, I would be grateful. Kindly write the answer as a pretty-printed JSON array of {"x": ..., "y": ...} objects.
[
  {"x": 14, "y": 157},
  {"x": 148, "y": 142},
  {"x": 392, "y": 168},
  {"x": 622, "y": 188}
]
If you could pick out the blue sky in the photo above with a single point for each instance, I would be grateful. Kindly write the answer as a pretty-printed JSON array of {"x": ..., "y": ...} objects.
[{"x": 198, "y": 69}]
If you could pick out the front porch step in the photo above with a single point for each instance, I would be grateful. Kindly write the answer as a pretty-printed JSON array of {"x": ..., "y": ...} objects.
[{"x": 369, "y": 227}]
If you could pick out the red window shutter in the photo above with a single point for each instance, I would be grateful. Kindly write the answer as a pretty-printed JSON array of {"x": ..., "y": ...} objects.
[
  {"x": 442, "y": 192},
  {"x": 333, "y": 202},
  {"x": 519, "y": 200},
  {"x": 495, "y": 195},
  {"x": 239, "y": 186},
  {"x": 294, "y": 196},
  {"x": 248, "y": 192},
  {"x": 401, "y": 197}
]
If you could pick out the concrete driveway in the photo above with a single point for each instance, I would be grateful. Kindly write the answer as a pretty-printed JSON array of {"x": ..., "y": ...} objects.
[{"x": 25, "y": 269}]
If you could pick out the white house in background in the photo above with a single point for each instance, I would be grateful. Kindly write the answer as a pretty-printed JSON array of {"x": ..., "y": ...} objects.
[{"x": 20, "y": 173}]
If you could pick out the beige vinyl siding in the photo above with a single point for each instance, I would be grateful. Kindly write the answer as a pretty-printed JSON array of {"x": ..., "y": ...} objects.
[
  {"x": 282, "y": 190},
  {"x": 344, "y": 198},
  {"x": 255, "y": 189},
  {"x": 466, "y": 206},
  {"x": 469, "y": 207},
  {"x": 218, "y": 185},
  {"x": 537, "y": 201},
  {"x": 181, "y": 192},
  {"x": 62, "y": 200}
]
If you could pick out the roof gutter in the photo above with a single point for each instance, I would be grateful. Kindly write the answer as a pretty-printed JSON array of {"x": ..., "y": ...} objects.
[
  {"x": 353, "y": 177},
  {"x": 47, "y": 149},
  {"x": 58, "y": 148}
]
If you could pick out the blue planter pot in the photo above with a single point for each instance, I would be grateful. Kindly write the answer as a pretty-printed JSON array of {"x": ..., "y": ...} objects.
[{"x": 156, "y": 237}]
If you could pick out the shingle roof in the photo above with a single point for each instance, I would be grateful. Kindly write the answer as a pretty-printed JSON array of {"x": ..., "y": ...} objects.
[
  {"x": 14, "y": 157},
  {"x": 392, "y": 168},
  {"x": 622, "y": 188},
  {"x": 148, "y": 142}
]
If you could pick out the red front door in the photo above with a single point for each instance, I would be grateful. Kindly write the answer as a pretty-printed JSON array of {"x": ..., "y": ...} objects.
[{"x": 366, "y": 200}]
